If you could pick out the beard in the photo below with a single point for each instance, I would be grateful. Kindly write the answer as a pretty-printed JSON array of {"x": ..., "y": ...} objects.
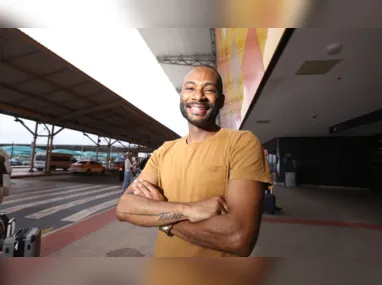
[{"x": 208, "y": 120}]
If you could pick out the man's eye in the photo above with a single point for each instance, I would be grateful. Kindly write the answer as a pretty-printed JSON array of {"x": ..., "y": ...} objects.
[{"x": 189, "y": 88}]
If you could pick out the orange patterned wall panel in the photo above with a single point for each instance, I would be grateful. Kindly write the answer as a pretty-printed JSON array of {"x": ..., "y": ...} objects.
[{"x": 242, "y": 57}]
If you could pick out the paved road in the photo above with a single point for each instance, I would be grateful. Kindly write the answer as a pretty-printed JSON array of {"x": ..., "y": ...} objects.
[{"x": 56, "y": 201}]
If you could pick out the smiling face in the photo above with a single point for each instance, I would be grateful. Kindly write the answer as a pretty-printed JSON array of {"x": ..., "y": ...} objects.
[{"x": 201, "y": 97}]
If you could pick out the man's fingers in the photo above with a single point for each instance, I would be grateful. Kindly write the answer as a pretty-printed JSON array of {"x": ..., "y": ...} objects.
[
  {"x": 149, "y": 190},
  {"x": 139, "y": 193},
  {"x": 149, "y": 186},
  {"x": 225, "y": 205},
  {"x": 153, "y": 190},
  {"x": 223, "y": 208},
  {"x": 140, "y": 186}
]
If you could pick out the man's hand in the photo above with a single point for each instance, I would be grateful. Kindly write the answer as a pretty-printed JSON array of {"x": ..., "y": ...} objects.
[
  {"x": 148, "y": 190},
  {"x": 205, "y": 209}
]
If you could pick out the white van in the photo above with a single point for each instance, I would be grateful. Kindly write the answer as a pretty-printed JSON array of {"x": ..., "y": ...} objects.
[{"x": 57, "y": 161}]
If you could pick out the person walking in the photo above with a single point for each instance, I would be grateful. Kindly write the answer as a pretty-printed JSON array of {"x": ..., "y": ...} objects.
[
  {"x": 5, "y": 172},
  {"x": 128, "y": 175}
]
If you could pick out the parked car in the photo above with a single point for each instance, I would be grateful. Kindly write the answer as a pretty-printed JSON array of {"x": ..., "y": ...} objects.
[
  {"x": 122, "y": 173},
  {"x": 57, "y": 161},
  {"x": 15, "y": 162},
  {"x": 117, "y": 164},
  {"x": 87, "y": 166},
  {"x": 25, "y": 162}
]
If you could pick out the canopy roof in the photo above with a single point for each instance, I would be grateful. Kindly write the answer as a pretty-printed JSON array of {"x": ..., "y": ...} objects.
[{"x": 37, "y": 84}]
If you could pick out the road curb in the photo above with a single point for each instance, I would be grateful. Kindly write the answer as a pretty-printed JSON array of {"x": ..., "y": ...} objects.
[
  {"x": 37, "y": 175},
  {"x": 62, "y": 237}
]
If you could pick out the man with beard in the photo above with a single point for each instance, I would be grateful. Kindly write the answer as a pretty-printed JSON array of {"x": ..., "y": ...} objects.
[{"x": 204, "y": 191}]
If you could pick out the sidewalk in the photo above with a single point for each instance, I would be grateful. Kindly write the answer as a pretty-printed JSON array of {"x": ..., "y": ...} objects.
[
  {"x": 315, "y": 222},
  {"x": 116, "y": 239}
]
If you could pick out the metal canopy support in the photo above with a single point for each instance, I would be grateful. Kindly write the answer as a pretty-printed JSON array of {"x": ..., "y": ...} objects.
[
  {"x": 49, "y": 146},
  {"x": 47, "y": 156},
  {"x": 188, "y": 60},
  {"x": 96, "y": 143},
  {"x": 97, "y": 149},
  {"x": 50, "y": 139},
  {"x": 86, "y": 135},
  {"x": 109, "y": 146},
  {"x": 17, "y": 120},
  {"x": 59, "y": 131},
  {"x": 35, "y": 135},
  {"x": 124, "y": 145}
]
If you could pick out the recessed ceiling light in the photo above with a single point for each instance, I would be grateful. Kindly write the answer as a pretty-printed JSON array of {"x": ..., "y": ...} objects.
[{"x": 333, "y": 49}]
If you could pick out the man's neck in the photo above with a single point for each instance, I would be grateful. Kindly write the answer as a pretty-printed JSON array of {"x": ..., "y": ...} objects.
[{"x": 198, "y": 135}]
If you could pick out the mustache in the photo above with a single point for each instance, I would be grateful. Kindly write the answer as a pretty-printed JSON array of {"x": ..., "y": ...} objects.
[{"x": 198, "y": 104}]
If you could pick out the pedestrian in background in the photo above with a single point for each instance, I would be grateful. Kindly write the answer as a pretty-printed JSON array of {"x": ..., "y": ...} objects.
[
  {"x": 128, "y": 177},
  {"x": 5, "y": 171},
  {"x": 143, "y": 163}
]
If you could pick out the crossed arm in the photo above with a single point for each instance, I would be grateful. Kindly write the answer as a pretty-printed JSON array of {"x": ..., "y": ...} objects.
[
  {"x": 233, "y": 229},
  {"x": 235, "y": 232}
]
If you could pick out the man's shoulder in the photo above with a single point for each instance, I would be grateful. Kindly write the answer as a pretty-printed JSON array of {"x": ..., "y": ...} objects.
[
  {"x": 169, "y": 145},
  {"x": 241, "y": 136}
]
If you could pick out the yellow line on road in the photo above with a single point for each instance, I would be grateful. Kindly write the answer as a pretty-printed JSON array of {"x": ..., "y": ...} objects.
[{"x": 45, "y": 231}]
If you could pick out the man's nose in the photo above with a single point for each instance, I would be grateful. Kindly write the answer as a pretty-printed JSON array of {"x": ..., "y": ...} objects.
[{"x": 199, "y": 95}]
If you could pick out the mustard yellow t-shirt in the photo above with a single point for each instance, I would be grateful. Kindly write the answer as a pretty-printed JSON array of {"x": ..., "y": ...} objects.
[{"x": 196, "y": 171}]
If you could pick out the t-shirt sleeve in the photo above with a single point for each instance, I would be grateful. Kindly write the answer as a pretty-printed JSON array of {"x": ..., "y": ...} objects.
[
  {"x": 247, "y": 160},
  {"x": 152, "y": 165}
]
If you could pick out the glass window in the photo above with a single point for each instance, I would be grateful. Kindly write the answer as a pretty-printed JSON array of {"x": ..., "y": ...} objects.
[{"x": 40, "y": 158}]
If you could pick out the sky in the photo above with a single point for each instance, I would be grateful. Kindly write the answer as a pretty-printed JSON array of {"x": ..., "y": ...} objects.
[{"x": 119, "y": 59}]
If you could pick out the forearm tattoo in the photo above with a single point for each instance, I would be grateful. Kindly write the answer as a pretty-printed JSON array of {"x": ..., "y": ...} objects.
[
  {"x": 166, "y": 216},
  {"x": 170, "y": 216}
]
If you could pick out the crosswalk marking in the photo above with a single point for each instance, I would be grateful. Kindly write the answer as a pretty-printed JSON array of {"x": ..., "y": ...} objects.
[
  {"x": 48, "y": 194},
  {"x": 61, "y": 207},
  {"x": 30, "y": 187},
  {"x": 26, "y": 191},
  {"x": 37, "y": 203},
  {"x": 87, "y": 212}
]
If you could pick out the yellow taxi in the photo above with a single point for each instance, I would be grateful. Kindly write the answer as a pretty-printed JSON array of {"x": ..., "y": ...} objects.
[{"x": 87, "y": 166}]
